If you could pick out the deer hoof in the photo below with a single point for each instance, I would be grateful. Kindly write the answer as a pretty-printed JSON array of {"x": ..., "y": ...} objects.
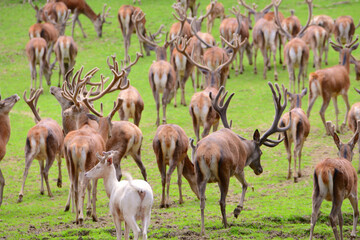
[
  {"x": 299, "y": 174},
  {"x": 255, "y": 71},
  {"x": 20, "y": 199},
  {"x": 88, "y": 212},
  {"x": 42, "y": 192},
  {"x": 237, "y": 211},
  {"x": 67, "y": 208},
  {"x": 94, "y": 218},
  {"x": 80, "y": 221},
  {"x": 162, "y": 205},
  {"x": 181, "y": 201},
  {"x": 295, "y": 180},
  {"x": 343, "y": 128},
  {"x": 59, "y": 183}
]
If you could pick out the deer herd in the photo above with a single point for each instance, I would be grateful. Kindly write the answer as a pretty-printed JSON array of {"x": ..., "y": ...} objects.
[{"x": 93, "y": 145}]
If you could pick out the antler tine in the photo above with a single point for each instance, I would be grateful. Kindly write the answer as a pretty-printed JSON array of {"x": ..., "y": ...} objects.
[
  {"x": 235, "y": 48},
  {"x": 279, "y": 109},
  {"x": 349, "y": 45},
  {"x": 136, "y": 18},
  {"x": 357, "y": 90},
  {"x": 267, "y": 7},
  {"x": 330, "y": 127},
  {"x": 276, "y": 5},
  {"x": 32, "y": 102},
  {"x": 115, "y": 65},
  {"x": 158, "y": 31},
  {"x": 180, "y": 11},
  {"x": 34, "y": 6},
  {"x": 184, "y": 43},
  {"x": 101, "y": 158},
  {"x": 202, "y": 17},
  {"x": 128, "y": 67},
  {"x": 91, "y": 107},
  {"x": 335, "y": 44},
  {"x": 197, "y": 36},
  {"x": 251, "y": 10},
  {"x": 116, "y": 107},
  {"x": 48, "y": 19},
  {"x": 104, "y": 14},
  {"x": 221, "y": 108},
  {"x": 310, "y": 8}
]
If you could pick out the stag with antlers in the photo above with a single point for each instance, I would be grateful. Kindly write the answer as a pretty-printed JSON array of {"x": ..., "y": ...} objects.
[{"x": 223, "y": 154}]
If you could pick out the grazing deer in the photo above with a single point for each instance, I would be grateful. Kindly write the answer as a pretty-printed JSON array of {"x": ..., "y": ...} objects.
[
  {"x": 130, "y": 200},
  {"x": 328, "y": 24},
  {"x": 224, "y": 154},
  {"x": 201, "y": 109},
  {"x": 5, "y": 107},
  {"x": 334, "y": 180},
  {"x": 78, "y": 7},
  {"x": 65, "y": 50},
  {"x": 315, "y": 37},
  {"x": 162, "y": 76},
  {"x": 353, "y": 118},
  {"x": 298, "y": 131},
  {"x": 36, "y": 51},
  {"x": 46, "y": 31},
  {"x": 170, "y": 146},
  {"x": 331, "y": 82},
  {"x": 357, "y": 66},
  {"x": 44, "y": 142},
  {"x": 189, "y": 4},
  {"x": 344, "y": 29},
  {"x": 258, "y": 14},
  {"x": 239, "y": 26},
  {"x": 125, "y": 14},
  {"x": 217, "y": 12},
  {"x": 296, "y": 52}
]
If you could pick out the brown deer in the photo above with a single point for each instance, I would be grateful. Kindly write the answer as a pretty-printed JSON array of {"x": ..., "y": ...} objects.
[
  {"x": 357, "y": 66},
  {"x": 344, "y": 29},
  {"x": 353, "y": 118},
  {"x": 66, "y": 51},
  {"x": 224, "y": 154},
  {"x": 162, "y": 76},
  {"x": 189, "y": 4},
  {"x": 78, "y": 7},
  {"x": 201, "y": 109},
  {"x": 5, "y": 107},
  {"x": 217, "y": 12},
  {"x": 315, "y": 37},
  {"x": 298, "y": 131},
  {"x": 170, "y": 146},
  {"x": 334, "y": 180},
  {"x": 36, "y": 51},
  {"x": 127, "y": 26},
  {"x": 296, "y": 52},
  {"x": 331, "y": 82},
  {"x": 328, "y": 24},
  {"x": 44, "y": 142}
]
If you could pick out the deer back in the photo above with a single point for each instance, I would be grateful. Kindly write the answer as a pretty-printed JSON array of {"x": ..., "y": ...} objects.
[{"x": 324, "y": 21}]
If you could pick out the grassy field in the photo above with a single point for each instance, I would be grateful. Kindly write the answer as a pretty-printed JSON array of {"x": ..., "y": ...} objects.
[{"x": 275, "y": 207}]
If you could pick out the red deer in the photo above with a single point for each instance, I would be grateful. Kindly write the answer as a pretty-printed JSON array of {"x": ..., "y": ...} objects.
[
  {"x": 44, "y": 142},
  {"x": 335, "y": 179},
  {"x": 217, "y": 12},
  {"x": 125, "y": 14},
  {"x": 353, "y": 117},
  {"x": 328, "y": 24},
  {"x": 201, "y": 109},
  {"x": 66, "y": 51},
  {"x": 344, "y": 29},
  {"x": 5, "y": 107},
  {"x": 36, "y": 51},
  {"x": 78, "y": 7},
  {"x": 331, "y": 82},
  {"x": 224, "y": 154},
  {"x": 357, "y": 66},
  {"x": 296, "y": 52},
  {"x": 297, "y": 133},
  {"x": 316, "y": 37},
  {"x": 162, "y": 76},
  {"x": 170, "y": 145},
  {"x": 189, "y": 4}
]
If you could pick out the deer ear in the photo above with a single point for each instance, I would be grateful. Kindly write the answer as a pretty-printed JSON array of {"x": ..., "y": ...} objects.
[
  {"x": 336, "y": 140},
  {"x": 354, "y": 47},
  {"x": 109, "y": 161},
  {"x": 256, "y": 136},
  {"x": 303, "y": 92}
]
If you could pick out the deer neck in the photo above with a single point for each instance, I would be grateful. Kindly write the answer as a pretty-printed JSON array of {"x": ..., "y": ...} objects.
[
  {"x": 250, "y": 148},
  {"x": 103, "y": 128},
  {"x": 189, "y": 174},
  {"x": 110, "y": 180},
  {"x": 89, "y": 13},
  {"x": 4, "y": 129},
  {"x": 161, "y": 54}
]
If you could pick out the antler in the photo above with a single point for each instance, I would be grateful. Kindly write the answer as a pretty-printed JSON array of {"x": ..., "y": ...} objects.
[
  {"x": 251, "y": 10},
  {"x": 202, "y": 17},
  {"x": 235, "y": 47},
  {"x": 181, "y": 18},
  {"x": 279, "y": 109},
  {"x": 127, "y": 67},
  {"x": 197, "y": 36},
  {"x": 106, "y": 155},
  {"x": 137, "y": 17},
  {"x": 104, "y": 14},
  {"x": 220, "y": 107},
  {"x": 116, "y": 107},
  {"x": 32, "y": 102},
  {"x": 310, "y": 7},
  {"x": 277, "y": 20},
  {"x": 349, "y": 45}
]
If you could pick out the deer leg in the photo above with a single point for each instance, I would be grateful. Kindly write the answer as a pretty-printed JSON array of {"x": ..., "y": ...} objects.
[
  {"x": 94, "y": 217},
  {"x": 196, "y": 124},
  {"x": 290, "y": 68},
  {"x": 182, "y": 86},
  {"x": 336, "y": 113},
  {"x": 180, "y": 168},
  {"x": 341, "y": 223},
  {"x": 274, "y": 61},
  {"x": 264, "y": 53},
  {"x": 82, "y": 30},
  {"x": 28, "y": 162},
  {"x": 49, "y": 161},
  {"x": 172, "y": 166},
  {"x": 312, "y": 98},
  {"x": 139, "y": 163},
  {"x": 316, "y": 203},
  {"x": 84, "y": 182},
  {"x": 287, "y": 144},
  {"x": 117, "y": 223},
  {"x": 354, "y": 203},
  {"x": 335, "y": 211},
  {"x": 145, "y": 223},
  {"x": 346, "y": 100},
  {"x": 127, "y": 230},
  {"x": 131, "y": 222},
  {"x": 359, "y": 155},
  {"x": 224, "y": 187},
  {"x": 255, "y": 56},
  {"x": 164, "y": 102},
  {"x": 300, "y": 74},
  {"x": 41, "y": 164},
  {"x": 241, "y": 58},
  {"x": 327, "y": 50},
  {"x": 299, "y": 157},
  {"x": 156, "y": 96},
  {"x": 162, "y": 169},
  {"x": 241, "y": 178},
  {"x": 88, "y": 204},
  {"x": 201, "y": 182},
  {"x": 206, "y": 131},
  {"x": 281, "y": 41},
  {"x": 248, "y": 50},
  {"x": 2, "y": 184},
  {"x": 40, "y": 74},
  {"x": 324, "y": 106}
]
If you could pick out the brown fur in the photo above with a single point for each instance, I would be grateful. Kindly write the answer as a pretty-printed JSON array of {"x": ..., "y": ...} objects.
[
  {"x": 132, "y": 100},
  {"x": 346, "y": 22},
  {"x": 357, "y": 67},
  {"x": 217, "y": 12},
  {"x": 170, "y": 145},
  {"x": 212, "y": 58},
  {"x": 316, "y": 37}
]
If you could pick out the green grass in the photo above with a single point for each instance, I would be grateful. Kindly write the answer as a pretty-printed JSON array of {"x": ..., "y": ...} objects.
[{"x": 275, "y": 208}]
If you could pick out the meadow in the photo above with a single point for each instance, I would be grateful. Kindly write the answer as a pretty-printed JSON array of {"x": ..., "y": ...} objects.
[{"x": 274, "y": 207}]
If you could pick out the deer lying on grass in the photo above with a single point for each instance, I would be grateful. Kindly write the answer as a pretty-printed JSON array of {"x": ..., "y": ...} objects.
[
  {"x": 66, "y": 51},
  {"x": 223, "y": 153},
  {"x": 296, "y": 52},
  {"x": 5, "y": 107},
  {"x": 36, "y": 51},
  {"x": 298, "y": 131},
  {"x": 44, "y": 142},
  {"x": 201, "y": 109},
  {"x": 353, "y": 117},
  {"x": 334, "y": 180},
  {"x": 328, "y": 24},
  {"x": 130, "y": 200},
  {"x": 170, "y": 145},
  {"x": 78, "y": 7},
  {"x": 162, "y": 76},
  {"x": 331, "y": 82}
]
